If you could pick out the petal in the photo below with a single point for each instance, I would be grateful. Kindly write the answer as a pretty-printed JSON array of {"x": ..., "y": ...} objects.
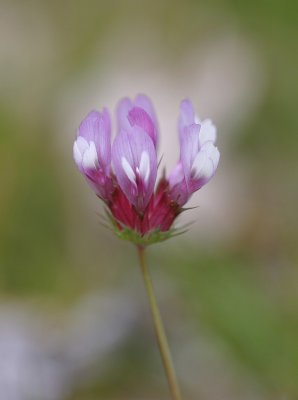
[
  {"x": 128, "y": 170},
  {"x": 178, "y": 190},
  {"x": 90, "y": 160},
  {"x": 199, "y": 157},
  {"x": 187, "y": 115},
  {"x": 82, "y": 144},
  {"x": 77, "y": 154},
  {"x": 102, "y": 137},
  {"x": 211, "y": 151},
  {"x": 122, "y": 110},
  {"x": 96, "y": 128},
  {"x": 144, "y": 168},
  {"x": 139, "y": 112},
  {"x": 138, "y": 116},
  {"x": 79, "y": 146},
  {"x": 86, "y": 129},
  {"x": 207, "y": 132},
  {"x": 145, "y": 103},
  {"x": 189, "y": 147},
  {"x": 176, "y": 175},
  {"x": 131, "y": 147},
  {"x": 204, "y": 166},
  {"x": 180, "y": 193}
]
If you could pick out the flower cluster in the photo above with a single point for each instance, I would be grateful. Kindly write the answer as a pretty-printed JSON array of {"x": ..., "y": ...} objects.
[{"x": 123, "y": 174}]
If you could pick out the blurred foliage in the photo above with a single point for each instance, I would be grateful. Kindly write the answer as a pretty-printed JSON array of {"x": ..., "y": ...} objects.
[
  {"x": 245, "y": 293},
  {"x": 227, "y": 293}
]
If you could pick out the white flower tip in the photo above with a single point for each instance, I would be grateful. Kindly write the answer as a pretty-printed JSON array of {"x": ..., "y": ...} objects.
[
  {"x": 206, "y": 162},
  {"x": 197, "y": 120},
  {"x": 128, "y": 170},
  {"x": 144, "y": 168},
  {"x": 90, "y": 159},
  {"x": 77, "y": 154},
  {"x": 85, "y": 154},
  {"x": 215, "y": 157},
  {"x": 202, "y": 167},
  {"x": 208, "y": 132},
  {"x": 79, "y": 148}
]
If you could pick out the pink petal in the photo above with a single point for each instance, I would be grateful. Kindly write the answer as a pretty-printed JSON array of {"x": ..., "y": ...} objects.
[
  {"x": 189, "y": 147},
  {"x": 178, "y": 190},
  {"x": 186, "y": 117},
  {"x": 138, "y": 116},
  {"x": 204, "y": 166},
  {"x": 96, "y": 127},
  {"x": 103, "y": 139},
  {"x": 145, "y": 103},
  {"x": 122, "y": 110},
  {"x": 92, "y": 152},
  {"x": 176, "y": 175},
  {"x": 88, "y": 126},
  {"x": 129, "y": 148}
]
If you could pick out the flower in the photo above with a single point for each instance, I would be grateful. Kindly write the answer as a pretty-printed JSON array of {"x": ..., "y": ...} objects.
[
  {"x": 92, "y": 152},
  {"x": 124, "y": 175},
  {"x": 199, "y": 157}
]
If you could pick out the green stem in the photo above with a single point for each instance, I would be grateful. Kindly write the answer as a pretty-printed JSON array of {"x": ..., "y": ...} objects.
[{"x": 159, "y": 329}]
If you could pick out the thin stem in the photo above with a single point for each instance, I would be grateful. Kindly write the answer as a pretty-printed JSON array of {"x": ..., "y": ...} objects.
[{"x": 159, "y": 329}]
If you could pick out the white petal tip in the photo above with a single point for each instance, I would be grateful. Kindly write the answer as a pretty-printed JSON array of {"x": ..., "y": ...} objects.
[
  {"x": 144, "y": 169},
  {"x": 128, "y": 170}
]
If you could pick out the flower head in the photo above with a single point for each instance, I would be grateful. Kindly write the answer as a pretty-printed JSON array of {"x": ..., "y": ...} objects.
[{"x": 124, "y": 175}]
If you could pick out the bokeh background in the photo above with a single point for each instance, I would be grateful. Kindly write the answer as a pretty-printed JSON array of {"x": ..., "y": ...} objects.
[{"x": 74, "y": 322}]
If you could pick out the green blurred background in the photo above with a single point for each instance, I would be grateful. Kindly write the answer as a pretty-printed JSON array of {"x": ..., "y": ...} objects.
[{"x": 74, "y": 322}]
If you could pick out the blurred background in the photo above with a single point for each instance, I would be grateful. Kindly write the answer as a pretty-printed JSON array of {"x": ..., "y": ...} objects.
[{"x": 74, "y": 321}]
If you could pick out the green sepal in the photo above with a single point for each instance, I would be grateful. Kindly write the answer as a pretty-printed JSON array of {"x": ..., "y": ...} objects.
[{"x": 151, "y": 237}]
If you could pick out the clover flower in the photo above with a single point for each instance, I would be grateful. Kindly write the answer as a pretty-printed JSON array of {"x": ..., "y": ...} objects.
[{"x": 124, "y": 174}]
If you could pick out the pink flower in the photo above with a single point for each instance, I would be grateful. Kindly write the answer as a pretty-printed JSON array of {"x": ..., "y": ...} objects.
[
  {"x": 199, "y": 157},
  {"x": 92, "y": 152},
  {"x": 124, "y": 175}
]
